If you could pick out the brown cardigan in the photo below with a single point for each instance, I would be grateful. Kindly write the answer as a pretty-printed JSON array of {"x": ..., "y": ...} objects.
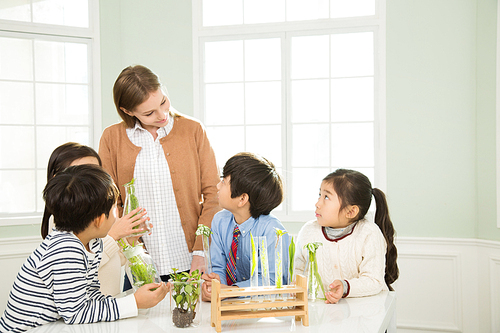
[{"x": 192, "y": 166}]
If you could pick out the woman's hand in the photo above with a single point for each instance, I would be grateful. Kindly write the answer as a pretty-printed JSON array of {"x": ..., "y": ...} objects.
[
  {"x": 147, "y": 298},
  {"x": 335, "y": 293},
  {"x": 124, "y": 226}
]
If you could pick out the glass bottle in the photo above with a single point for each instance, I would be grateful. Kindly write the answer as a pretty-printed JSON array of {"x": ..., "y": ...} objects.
[
  {"x": 131, "y": 203},
  {"x": 315, "y": 289},
  {"x": 140, "y": 267}
]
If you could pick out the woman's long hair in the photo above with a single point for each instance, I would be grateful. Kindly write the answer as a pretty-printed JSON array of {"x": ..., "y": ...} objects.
[{"x": 354, "y": 188}]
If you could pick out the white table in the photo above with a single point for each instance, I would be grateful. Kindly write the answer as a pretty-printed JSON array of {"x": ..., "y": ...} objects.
[{"x": 361, "y": 315}]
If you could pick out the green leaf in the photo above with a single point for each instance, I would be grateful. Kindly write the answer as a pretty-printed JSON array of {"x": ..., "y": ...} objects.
[
  {"x": 188, "y": 289},
  {"x": 280, "y": 232},
  {"x": 312, "y": 247},
  {"x": 203, "y": 230}
]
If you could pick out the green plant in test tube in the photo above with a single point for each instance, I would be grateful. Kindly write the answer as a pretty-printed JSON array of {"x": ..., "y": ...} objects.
[
  {"x": 254, "y": 274},
  {"x": 291, "y": 255},
  {"x": 264, "y": 261},
  {"x": 205, "y": 232},
  {"x": 278, "y": 268},
  {"x": 314, "y": 283}
]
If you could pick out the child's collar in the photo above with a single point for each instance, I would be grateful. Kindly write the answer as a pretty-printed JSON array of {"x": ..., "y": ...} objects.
[{"x": 246, "y": 226}]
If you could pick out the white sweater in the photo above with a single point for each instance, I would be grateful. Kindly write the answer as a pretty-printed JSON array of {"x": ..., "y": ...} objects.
[{"x": 358, "y": 258}]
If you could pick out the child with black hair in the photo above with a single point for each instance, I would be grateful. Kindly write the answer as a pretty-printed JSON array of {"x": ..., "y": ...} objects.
[
  {"x": 59, "y": 279},
  {"x": 110, "y": 273},
  {"x": 358, "y": 257},
  {"x": 249, "y": 190}
]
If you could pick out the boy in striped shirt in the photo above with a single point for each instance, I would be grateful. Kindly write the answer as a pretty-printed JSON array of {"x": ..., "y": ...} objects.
[{"x": 59, "y": 279}]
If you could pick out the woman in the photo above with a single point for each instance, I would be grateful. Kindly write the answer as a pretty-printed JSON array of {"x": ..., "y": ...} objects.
[{"x": 169, "y": 156}]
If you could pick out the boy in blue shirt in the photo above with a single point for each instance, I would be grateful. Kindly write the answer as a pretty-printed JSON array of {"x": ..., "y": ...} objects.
[
  {"x": 59, "y": 279},
  {"x": 249, "y": 190}
]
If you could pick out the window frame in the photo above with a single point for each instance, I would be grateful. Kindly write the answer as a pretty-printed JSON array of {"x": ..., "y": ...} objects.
[
  {"x": 61, "y": 33},
  {"x": 497, "y": 125},
  {"x": 375, "y": 24}
]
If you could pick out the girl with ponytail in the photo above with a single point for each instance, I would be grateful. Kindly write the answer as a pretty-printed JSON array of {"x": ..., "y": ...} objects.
[{"x": 357, "y": 257}]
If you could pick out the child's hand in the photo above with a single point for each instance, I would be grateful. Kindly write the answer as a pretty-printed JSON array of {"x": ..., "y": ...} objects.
[
  {"x": 335, "y": 293},
  {"x": 206, "y": 287},
  {"x": 147, "y": 298},
  {"x": 124, "y": 226}
]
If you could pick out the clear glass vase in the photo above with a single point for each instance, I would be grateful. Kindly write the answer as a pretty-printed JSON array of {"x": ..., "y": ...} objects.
[
  {"x": 140, "y": 267},
  {"x": 315, "y": 289},
  {"x": 131, "y": 203},
  {"x": 185, "y": 303}
]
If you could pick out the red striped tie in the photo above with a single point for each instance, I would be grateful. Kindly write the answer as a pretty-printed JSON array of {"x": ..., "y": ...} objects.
[{"x": 231, "y": 262}]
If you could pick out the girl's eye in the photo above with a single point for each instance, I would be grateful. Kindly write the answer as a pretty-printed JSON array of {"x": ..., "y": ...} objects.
[
  {"x": 149, "y": 114},
  {"x": 163, "y": 102},
  {"x": 326, "y": 197}
]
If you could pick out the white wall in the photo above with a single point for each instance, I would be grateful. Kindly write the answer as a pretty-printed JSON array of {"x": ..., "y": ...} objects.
[{"x": 448, "y": 285}]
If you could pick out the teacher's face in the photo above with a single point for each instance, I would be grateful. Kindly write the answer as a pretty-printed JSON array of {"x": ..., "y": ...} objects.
[{"x": 152, "y": 113}]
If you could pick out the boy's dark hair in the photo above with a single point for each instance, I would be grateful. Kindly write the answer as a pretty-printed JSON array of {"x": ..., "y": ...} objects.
[
  {"x": 257, "y": 177},
  {"x": 59, "y": 160},
  {"x": 78, "y": 195},
  {"x": 354, "y": 188}
]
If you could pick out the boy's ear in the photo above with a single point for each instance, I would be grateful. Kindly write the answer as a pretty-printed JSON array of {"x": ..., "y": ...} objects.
[
  {"x": 98, "y": 221},
  {"x": 242, "y": 200},
  {"x": 351, "y": 212}
]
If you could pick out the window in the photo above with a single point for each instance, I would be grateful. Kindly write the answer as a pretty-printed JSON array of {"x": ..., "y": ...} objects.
[
  {"x": 47, "y": 94},
  {"x": 300, "y": 83}
]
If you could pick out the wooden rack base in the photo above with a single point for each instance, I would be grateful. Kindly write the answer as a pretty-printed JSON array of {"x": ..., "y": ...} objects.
[{"x": 244, "y": 309}]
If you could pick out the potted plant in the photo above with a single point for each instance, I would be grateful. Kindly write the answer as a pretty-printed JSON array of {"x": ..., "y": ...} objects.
[{"x": 185, "y": 300}]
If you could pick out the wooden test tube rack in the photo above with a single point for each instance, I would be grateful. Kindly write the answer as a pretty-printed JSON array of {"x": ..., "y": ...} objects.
[{"x": 244, "y": 309}]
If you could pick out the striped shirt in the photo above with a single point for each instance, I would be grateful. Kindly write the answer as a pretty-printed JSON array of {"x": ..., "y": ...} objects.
[
  {"x": 59, "y": 280},
  {"x": 153, "y": 188}
]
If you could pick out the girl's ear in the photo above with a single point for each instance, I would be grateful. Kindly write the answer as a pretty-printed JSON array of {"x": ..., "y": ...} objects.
[
  {"x": 242, "y": 200},
  {"x": 351, "y": 212},
  {"x": 126, "y": 111}
]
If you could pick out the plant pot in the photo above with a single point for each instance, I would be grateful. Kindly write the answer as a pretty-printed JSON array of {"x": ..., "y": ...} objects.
[{"x": 185, "y": 303}]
